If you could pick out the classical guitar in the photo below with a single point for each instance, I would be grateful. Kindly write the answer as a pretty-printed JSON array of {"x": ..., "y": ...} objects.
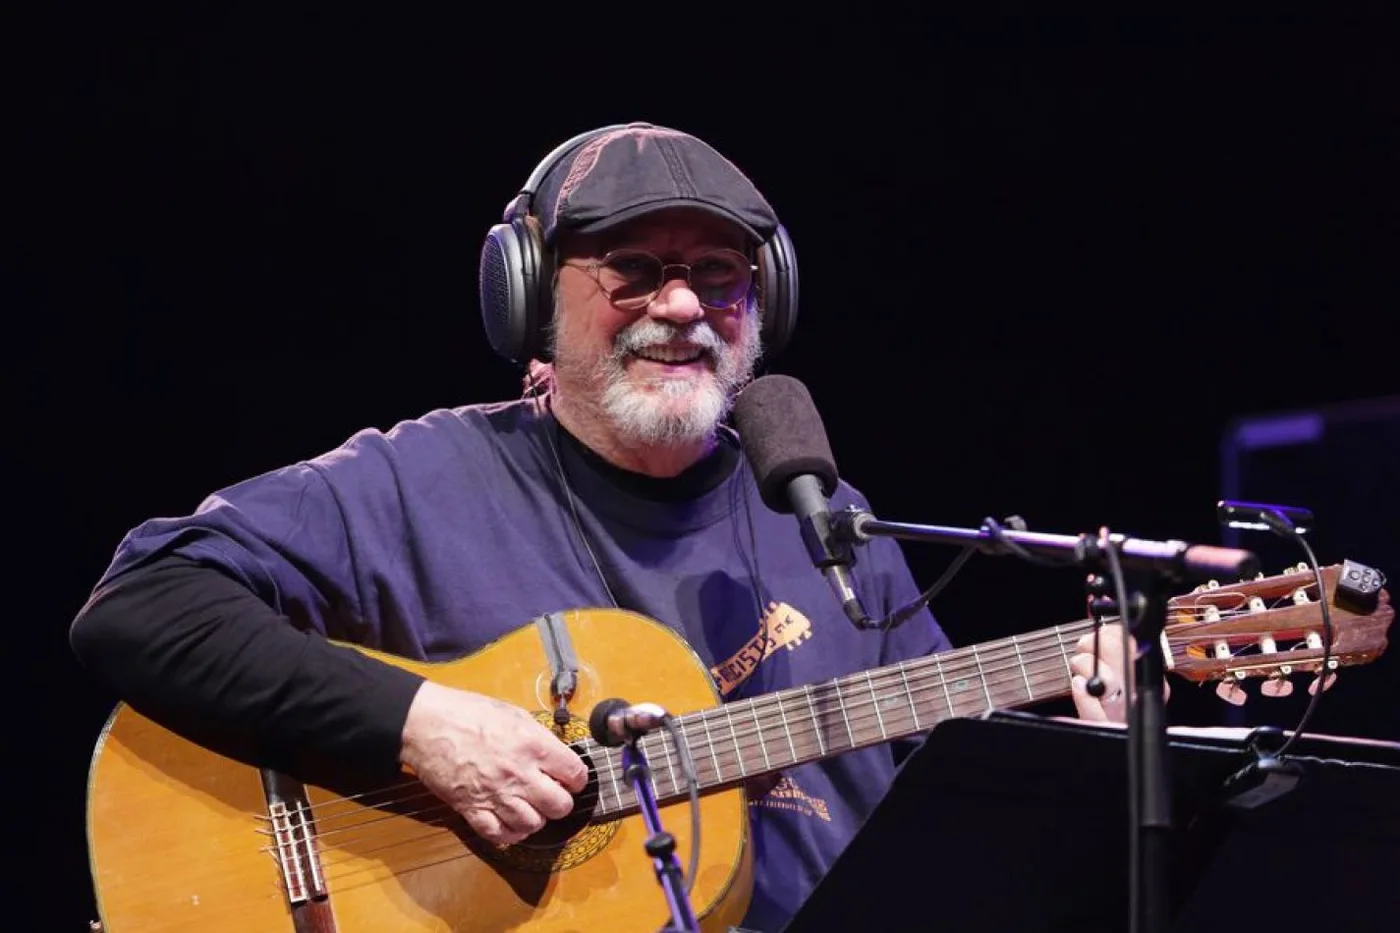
[{"x": 183, "y": 839}]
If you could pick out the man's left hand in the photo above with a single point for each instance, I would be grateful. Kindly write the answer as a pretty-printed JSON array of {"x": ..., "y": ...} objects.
[{"x": 1112, "y": 706}]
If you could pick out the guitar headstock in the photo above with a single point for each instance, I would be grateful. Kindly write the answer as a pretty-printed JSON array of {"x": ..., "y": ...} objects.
[{"x": 1271, "y": 627}]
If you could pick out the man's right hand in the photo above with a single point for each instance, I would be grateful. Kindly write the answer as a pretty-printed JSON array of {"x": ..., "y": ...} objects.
[{"x": 497, "y": 766}]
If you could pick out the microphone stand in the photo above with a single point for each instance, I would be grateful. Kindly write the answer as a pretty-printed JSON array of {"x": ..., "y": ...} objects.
[
  {"x": 660, "y": 845},
  {"x": 1164, "y": 561}
]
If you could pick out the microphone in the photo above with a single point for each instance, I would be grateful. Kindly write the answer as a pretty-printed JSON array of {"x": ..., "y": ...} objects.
[
  {"x": 616, "y": 722},
  {"x": 787, "y": 448}
]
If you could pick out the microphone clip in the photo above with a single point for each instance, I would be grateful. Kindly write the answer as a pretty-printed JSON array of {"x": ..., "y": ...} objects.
[
  {"x": 848, "y": 526},
  {"x": 826, "y": 546}
]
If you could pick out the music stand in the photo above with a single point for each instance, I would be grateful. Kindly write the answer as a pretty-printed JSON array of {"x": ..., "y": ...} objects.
[{"x": 1019, "y": 822}]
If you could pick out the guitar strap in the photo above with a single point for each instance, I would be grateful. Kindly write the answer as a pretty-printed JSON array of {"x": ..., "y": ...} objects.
[{"x": 563, "y": 661}]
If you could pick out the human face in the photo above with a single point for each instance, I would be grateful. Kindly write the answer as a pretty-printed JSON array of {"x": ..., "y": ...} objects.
[{"x": 661, "y": 374}]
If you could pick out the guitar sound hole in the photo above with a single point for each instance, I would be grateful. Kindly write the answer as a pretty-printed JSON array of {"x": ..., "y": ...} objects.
[
  {"x": 556, "y": 833},
  {"x": 560, "y": 844}
]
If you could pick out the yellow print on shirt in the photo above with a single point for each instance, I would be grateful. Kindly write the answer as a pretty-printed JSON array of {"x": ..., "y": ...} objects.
[
  {"x": 781, "y": 627},
  {"x": 788, "y": 795}
]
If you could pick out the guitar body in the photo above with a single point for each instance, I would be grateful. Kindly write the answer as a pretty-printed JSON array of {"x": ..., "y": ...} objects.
[{"x": 180, "y": 837}]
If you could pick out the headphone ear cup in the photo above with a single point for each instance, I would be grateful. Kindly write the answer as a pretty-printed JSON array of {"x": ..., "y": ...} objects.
[
  {"x": 509, "y": 280},
  {"x": 777, "y": 273}
]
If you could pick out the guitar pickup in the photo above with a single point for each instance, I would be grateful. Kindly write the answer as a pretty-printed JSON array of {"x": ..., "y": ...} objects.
[{"x": 1359, "y": 587}]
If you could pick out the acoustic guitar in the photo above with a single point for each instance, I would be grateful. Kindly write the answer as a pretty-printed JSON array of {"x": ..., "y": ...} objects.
[{"x": 183, "y": 839}]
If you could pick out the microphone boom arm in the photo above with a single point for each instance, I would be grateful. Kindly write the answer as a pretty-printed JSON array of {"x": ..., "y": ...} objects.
[{"x": 853, "y": 525}]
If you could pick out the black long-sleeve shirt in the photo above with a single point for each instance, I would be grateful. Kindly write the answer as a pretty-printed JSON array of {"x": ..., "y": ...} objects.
[{"x": 199, "y": 652}]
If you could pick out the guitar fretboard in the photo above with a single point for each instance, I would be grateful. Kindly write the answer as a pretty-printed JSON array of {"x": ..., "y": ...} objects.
[{"x": 749, "y": 738}]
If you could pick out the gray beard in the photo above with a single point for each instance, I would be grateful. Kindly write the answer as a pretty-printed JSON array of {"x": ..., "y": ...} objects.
[{"x": 641, "y": 413}]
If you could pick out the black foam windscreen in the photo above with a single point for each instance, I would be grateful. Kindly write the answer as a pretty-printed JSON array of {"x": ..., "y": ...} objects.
[
  {"x": 783, "y": 437},
  {"x": 598, "y": 721}
]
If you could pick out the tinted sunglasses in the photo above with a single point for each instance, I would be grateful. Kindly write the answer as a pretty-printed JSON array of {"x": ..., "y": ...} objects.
[{"x": 632, "y": 278}]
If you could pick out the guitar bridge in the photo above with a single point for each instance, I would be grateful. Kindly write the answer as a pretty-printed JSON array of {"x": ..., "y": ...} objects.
[{"x": 294, "y": 840}]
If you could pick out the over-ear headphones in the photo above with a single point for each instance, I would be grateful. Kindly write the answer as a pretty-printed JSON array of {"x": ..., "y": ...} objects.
[{"x": 516, "y": 274}]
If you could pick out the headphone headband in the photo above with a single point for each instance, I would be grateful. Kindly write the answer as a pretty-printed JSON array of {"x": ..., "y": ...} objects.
[{"x": 522, "y": 203}]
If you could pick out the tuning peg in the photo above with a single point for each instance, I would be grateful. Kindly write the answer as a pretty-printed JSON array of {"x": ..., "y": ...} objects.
[
  {"x": 1231, "y": 692},
  {"x": 1326, "y": 684},
  {"x": 1276, "y": 684}
]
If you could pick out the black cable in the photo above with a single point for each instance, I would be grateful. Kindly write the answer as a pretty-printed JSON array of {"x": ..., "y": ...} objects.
[
  {"x": 1282, "y": 526},
  {"x": 693, "y": 780},
  {"x": 1129, "y": 688},
  {"x": 906, "y": 612}
]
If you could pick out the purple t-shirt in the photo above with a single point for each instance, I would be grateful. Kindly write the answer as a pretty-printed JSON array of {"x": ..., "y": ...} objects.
[{"x": 434, "y": 538}]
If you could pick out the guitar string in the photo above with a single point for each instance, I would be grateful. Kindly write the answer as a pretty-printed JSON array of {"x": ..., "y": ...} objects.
[
  {"x": 864, "y": 709},
  {"x": 1034, "y": 655},
  {"x": 950, "y": 662},
  {"x": 728, "y": 759},
  {"x": 454, "y": 845},
  {"x": 858, "y": 710},
  {"x": 734, "y": 747},
  {"x": 988, "y": 653},
  {"x": 609, "y": 772},
  {"x": 1023, "y": 640}
]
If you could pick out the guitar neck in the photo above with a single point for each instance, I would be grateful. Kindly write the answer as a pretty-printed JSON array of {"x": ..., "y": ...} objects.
[{"x": 746, "y": 739}]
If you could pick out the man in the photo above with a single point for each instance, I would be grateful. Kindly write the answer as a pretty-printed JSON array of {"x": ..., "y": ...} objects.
[{"x": 613, "y": 483}]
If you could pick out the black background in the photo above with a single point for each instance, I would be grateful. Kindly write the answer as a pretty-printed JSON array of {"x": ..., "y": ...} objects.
[{"x": 1045, "y": 261}]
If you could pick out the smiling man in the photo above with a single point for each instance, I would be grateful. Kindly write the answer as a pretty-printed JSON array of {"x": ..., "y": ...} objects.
[
  {"x": 643, "y": 268},
  {"x": 655, "y": 332}
]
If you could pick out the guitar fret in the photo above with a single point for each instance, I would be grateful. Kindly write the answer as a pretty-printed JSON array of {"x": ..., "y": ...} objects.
[
  {"x": 943, "y": 678},
  {"x": 612, "y": 774},
  {"x": 909, "y": 695},
  {"x": 875, "y": 701},
  {"x": 690, "y": 749},
  {"x": 758, "y": 731},
  {"x": 1060, "y": 640},
  {"x": 786, "y": 731},
  {"x": 738, "y": 754},
  {"x": 709, "y": 740},
  {"x": 816, "y": 719},
  {"x": 670, "y": 769},
  {"x": 1021, "y": 661},
  {"x": 841, "y": 702},
  {"x": 982, "y": 677}
]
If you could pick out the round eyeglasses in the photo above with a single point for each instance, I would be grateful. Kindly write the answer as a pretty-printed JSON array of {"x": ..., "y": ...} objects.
[{"x": 632, "y": 278}]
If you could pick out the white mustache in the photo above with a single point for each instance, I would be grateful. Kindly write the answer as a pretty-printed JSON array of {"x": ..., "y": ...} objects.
[{"x": 651, "y": 333}]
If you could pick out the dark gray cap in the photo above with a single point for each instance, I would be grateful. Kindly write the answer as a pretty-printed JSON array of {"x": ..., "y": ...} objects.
[{"x": 631, "y": 170}]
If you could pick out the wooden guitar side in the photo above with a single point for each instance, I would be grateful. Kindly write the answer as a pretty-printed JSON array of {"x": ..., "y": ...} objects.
[{"x": 177, "y": 834}]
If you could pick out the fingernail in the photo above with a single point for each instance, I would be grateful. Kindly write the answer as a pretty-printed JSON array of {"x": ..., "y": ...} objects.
[{"x": 1078, "y": 684}]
